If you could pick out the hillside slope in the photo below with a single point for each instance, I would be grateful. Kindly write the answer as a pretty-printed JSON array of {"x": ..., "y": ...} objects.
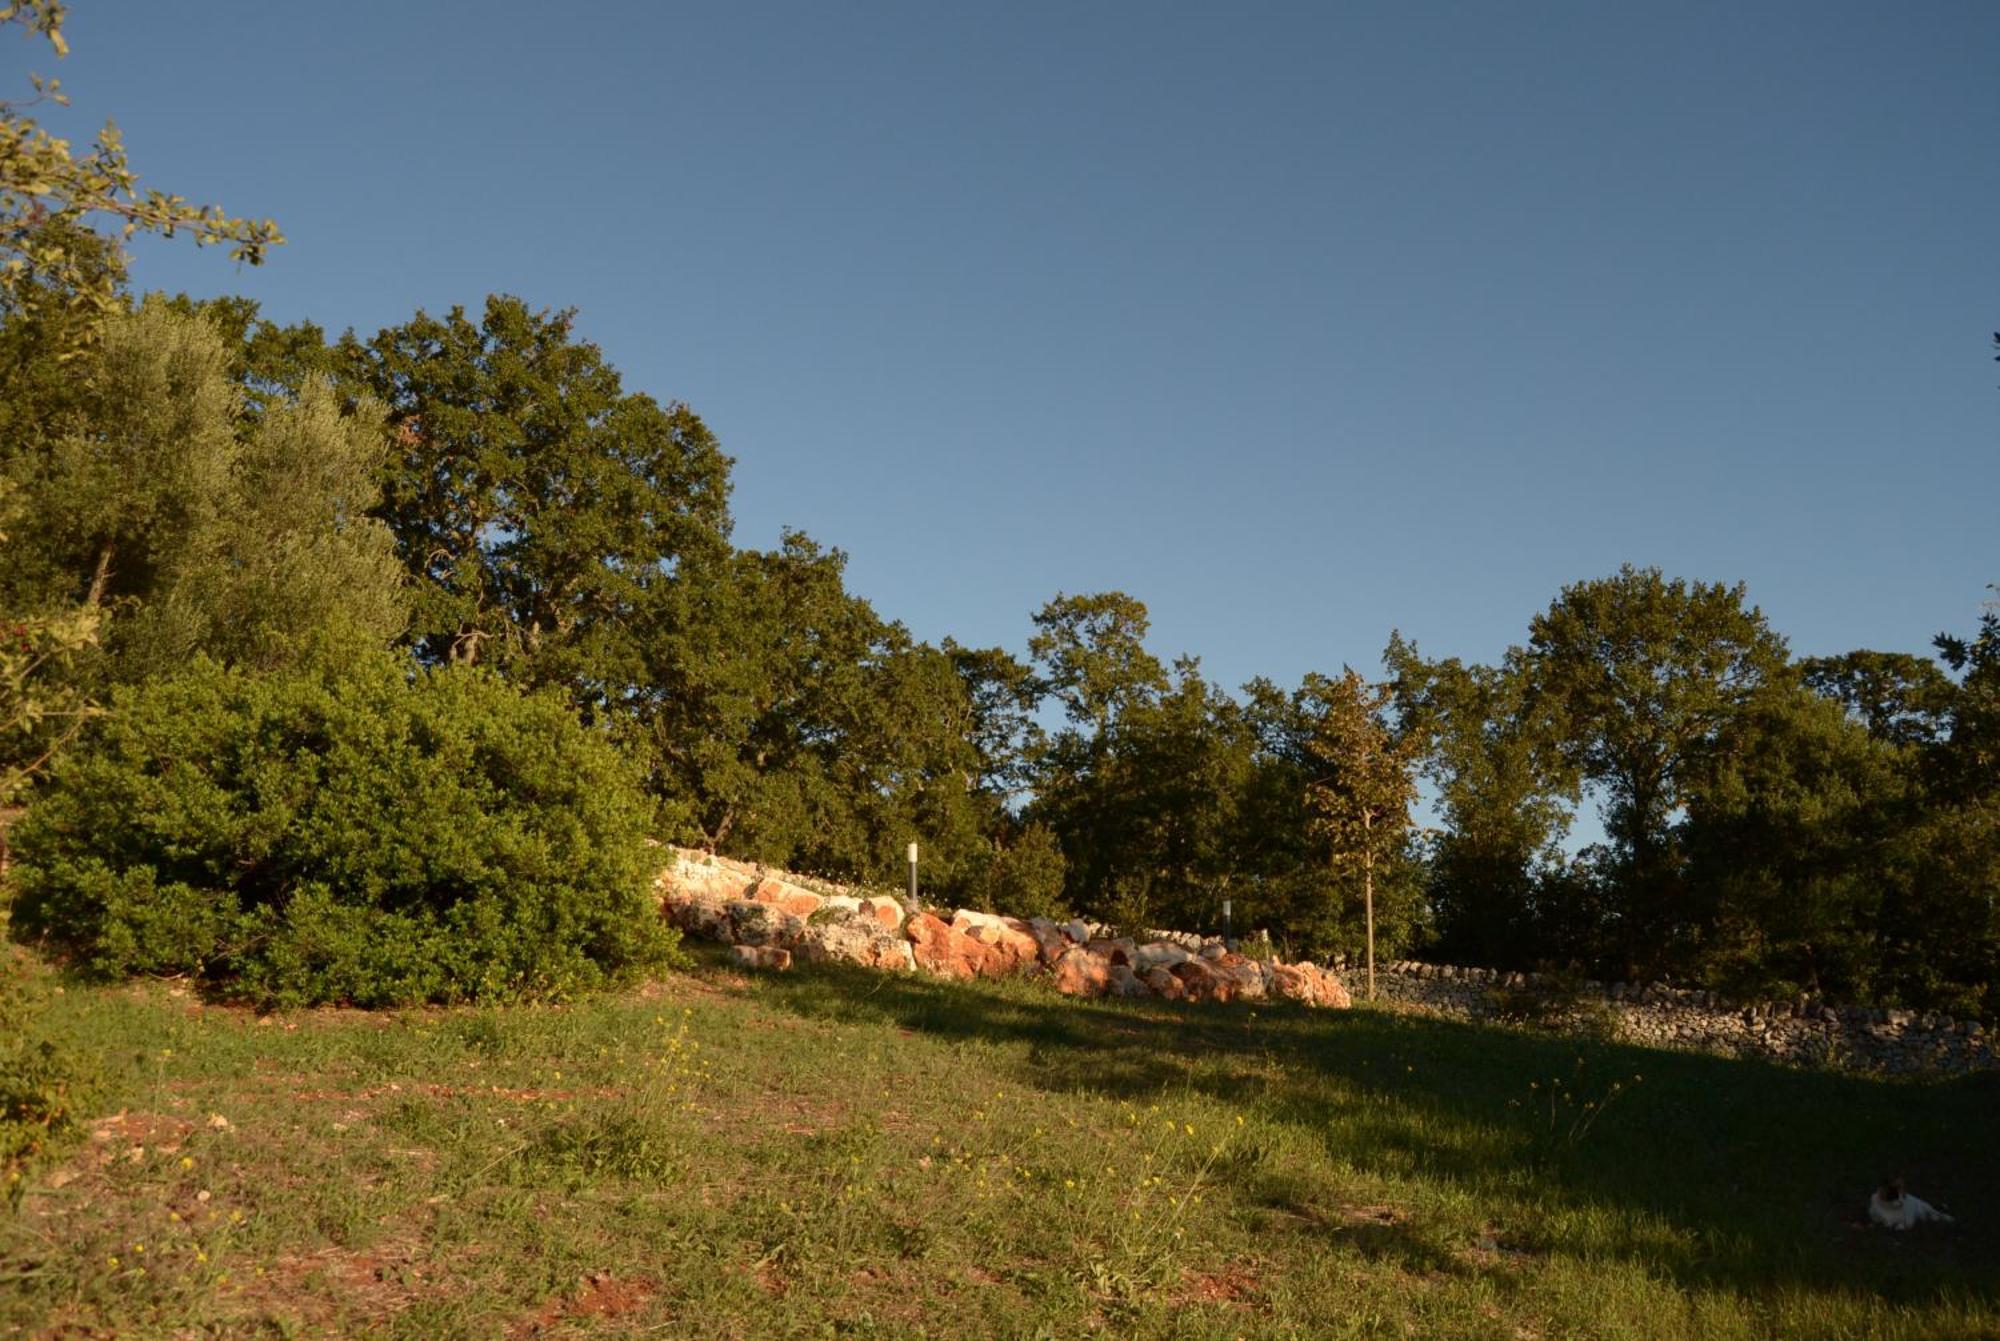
[{"x": 839, "y": 1152}]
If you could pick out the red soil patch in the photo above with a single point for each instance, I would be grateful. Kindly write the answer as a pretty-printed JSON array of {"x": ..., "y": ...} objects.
[{"x": 598, "y": 1295}]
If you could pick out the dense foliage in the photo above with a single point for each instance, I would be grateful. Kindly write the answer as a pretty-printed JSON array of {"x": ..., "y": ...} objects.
[{"x": 342, "y": 835}]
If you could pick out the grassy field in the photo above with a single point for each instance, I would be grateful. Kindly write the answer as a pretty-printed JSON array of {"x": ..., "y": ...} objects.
[{"x": 834, "y": 1154}]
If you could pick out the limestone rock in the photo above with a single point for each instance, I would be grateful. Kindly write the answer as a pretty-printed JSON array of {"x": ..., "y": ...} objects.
[
  {"x": 753, "y": 922},
  {"x": 1116, "y": 950},
  {"x": 854, "y": 938},
  {"x": 693, "y": 875},
  {"x": 701, "y": 915},
  {"x": 1122, "y": 981},
  {"x": 761, "y": 957}
]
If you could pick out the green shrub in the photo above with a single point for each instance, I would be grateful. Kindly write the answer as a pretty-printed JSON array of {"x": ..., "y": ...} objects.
[
  {"x": 359, "y": 835},
  {"x": 1024, "y": 878}
]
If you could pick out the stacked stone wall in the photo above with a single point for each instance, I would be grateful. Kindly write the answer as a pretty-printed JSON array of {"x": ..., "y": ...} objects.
[
  {"x": 770, "y": 919},
  {"x": 1804, "y": 1031}
]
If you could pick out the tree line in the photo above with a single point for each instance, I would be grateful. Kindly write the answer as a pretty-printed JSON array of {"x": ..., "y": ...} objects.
[{"x": 190, "y": 490}]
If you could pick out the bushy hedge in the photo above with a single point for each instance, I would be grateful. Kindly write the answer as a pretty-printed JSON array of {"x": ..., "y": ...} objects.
[{"x": 360, "y": 835}]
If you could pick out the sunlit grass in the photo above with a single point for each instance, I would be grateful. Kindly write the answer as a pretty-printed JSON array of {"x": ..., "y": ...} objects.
[{"x": 827, "y": 1153}]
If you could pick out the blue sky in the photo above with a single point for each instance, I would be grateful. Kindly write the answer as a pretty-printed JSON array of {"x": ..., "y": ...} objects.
[{"x": 1300, "y": 323}]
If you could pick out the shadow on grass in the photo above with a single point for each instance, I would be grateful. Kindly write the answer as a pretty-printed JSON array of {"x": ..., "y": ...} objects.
[{"x": 1714, "y": 1172}]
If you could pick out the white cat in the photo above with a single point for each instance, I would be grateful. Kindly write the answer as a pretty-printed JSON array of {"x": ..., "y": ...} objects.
[{"x": 1893, "y": 1208}]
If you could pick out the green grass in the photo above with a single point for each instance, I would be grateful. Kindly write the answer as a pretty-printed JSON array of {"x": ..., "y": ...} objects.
[{"x": 843, "y": 1154}]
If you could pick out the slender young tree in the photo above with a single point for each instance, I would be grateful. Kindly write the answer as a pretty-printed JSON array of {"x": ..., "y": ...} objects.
[{"x": 1362, "y": 784}]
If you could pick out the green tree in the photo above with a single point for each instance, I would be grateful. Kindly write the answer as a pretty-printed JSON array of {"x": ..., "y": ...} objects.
[
  {"x": 1898, "y": 697},
  {"x": 1166, "y": 795},
  {"x": 270, "y": 363},
  {"x": 144, "y": 467},
  {"x": 195, "y": 533},
  {"x": 41, "y": 705},
  {"x": 1966, "y": 764},
  {"x": 536, "y": 504},
  {"x": 1362, "y": 785},
  {"x": 1497, "y": 873},
  {"x": 1941, "y": 922},
  {"x": 1092, "y": 650},
  {"x": 1141, "y": 787},
  {"x": 1636, "y": 676},
  {"x": 746, "y": 660},
  {"x": 783, "y": 720},
  {"x": 1002, "y": 696},
  {"x": 1786, "y": 832},
  {"x": 1024, "y": 875},
  {"x": 48, "y": 193}
]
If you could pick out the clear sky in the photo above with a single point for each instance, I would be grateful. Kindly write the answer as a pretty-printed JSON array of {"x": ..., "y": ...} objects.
[{"x": 1299, "y": 322}]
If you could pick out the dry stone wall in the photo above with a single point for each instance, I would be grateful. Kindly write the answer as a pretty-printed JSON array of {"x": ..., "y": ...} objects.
[
  {"x": 1804, "y": 1031},
  {"x": 771, "y": 919}
]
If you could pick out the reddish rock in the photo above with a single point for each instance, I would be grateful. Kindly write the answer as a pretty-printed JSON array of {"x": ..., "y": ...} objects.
[
  {"x": 884, "y": 910},
  {"x": 798, "y": 902},
  {"x": 1080, "y": 972},
  {"x": 1244, "y": 975},
  {"x": 1309, "y": 984},
  {"x": 1049, "y": 940},
  {"x": 1009, "y": 948},
  {"x": 939, "y": 948},
  {"x": 1164, "y": 984},
  {"x": 1201, "y": 982},
  {"x": 761, "y": 956}
]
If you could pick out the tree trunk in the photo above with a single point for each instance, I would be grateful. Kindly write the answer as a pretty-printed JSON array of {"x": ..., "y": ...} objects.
[
  {"x": 101, "y": 579},
  {"x": 1368, "y": 896},
  {"x": 1369, "y": 911}
]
